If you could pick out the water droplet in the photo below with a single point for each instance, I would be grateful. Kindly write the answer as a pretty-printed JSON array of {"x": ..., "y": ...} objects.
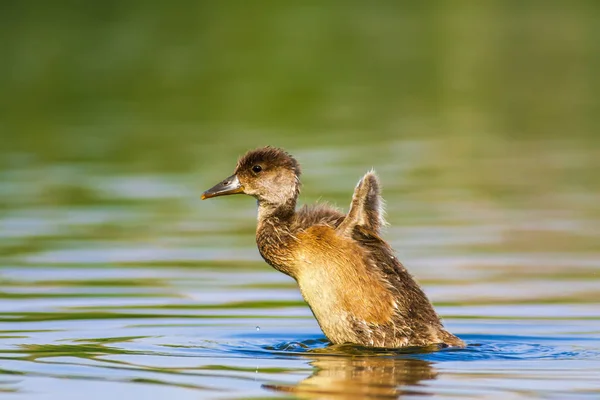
[{"x": 257, "y": 328}]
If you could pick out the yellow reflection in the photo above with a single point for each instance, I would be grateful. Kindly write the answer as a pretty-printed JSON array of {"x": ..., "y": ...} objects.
[{"x": 351, "y": 378}]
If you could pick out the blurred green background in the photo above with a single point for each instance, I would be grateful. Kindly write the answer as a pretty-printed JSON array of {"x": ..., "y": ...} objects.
[
  {"x": 164, "y": 85},
  {"x": 482, "y": 119},
  {"x": 490, "y": 104}
]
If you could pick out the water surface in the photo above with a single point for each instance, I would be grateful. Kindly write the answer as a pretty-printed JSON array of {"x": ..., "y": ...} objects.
[{"x": 154, "y": 293}]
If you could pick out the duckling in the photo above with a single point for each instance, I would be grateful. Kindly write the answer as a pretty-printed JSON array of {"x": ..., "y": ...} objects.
[{"x": 356, "y": 288}]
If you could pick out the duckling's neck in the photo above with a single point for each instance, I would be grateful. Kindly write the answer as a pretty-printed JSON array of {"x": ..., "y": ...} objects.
[
  {"x": 268, "y": 212},
  {"x": 274, "y": 236}
]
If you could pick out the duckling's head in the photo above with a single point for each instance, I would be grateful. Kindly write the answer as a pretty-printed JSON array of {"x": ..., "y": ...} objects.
[{"x": 269, "y": 174}]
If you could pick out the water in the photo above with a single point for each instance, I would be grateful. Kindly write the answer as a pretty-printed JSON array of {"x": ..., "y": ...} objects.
[
  {"x": 157, "y": 294},
  {"x": 190, "y": 332},
  {"x": 117, "y": 281}
]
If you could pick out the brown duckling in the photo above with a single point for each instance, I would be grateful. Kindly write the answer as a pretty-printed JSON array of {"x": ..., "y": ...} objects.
[{"x": 356, "y": 288}]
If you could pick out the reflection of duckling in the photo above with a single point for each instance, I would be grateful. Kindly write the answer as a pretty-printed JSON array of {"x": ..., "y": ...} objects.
[
  {"x": 356, "y": 288},
  {"x": 362, "y": 377}
]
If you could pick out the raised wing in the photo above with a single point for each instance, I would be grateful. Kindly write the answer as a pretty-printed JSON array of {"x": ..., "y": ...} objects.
[{"x": 366, "y": 209}]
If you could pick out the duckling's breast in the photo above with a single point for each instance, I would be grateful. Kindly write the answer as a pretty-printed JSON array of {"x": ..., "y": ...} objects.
[{"x": 343, "y": 291}]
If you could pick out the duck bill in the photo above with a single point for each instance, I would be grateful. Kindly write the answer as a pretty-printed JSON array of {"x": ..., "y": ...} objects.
[{"x": 230, "y": 185}]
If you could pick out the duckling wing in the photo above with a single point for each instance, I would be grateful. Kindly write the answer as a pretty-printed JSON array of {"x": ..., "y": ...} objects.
[{"x": 366, "y": 209}]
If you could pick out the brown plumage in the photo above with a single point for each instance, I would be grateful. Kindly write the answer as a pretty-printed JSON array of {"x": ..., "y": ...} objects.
[{"x": 355, "y": 286}]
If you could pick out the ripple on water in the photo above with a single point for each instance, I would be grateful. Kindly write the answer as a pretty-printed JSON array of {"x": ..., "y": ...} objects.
[
  {"x": 479, "y": 347},
  {"x": 352, "y": 370}
]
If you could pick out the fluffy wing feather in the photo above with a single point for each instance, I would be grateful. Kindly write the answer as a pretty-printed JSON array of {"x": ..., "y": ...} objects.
[{"x": 366, "y": 209}]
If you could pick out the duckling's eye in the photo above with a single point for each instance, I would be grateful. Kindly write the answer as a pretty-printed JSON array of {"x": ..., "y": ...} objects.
[{"x": 257, "y": 168}]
